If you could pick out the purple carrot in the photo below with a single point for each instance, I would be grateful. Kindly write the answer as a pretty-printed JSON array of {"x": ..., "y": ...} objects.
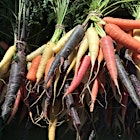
[
  {"x": 73, "y": 41},
  {"x": 16, "y": 77}
]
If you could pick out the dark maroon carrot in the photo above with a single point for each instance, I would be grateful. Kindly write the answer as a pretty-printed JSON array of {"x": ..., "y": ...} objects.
[
  {"x": 125, "y": 80},
  {"x": 73, "y": 41},
  {"x": 17, "y": 75}
]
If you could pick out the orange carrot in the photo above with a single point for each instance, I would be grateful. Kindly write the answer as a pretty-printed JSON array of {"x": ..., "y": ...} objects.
[
  {"x": 48, "y": 65},
  {"x": 94, "y": 93},
  {"x": 86, "y": 61},
  {"x": 125, "y": 24},
  {"x": 121, "y": 37},
  {"x": 31, "y": 75}
]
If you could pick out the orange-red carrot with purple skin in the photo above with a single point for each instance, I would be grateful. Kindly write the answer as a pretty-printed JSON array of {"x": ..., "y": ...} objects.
[
  {"x": 86, "y": 61},
  {"x": 125, "y": 24},
  {"x": 31, "y": 75},
  {"x": 106, "y": 43},
  {"x": 116, "y": 33}
]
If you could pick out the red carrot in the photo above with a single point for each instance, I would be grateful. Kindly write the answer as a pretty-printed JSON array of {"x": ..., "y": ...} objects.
[
  {"x": 125, "y": 24},
  {"x": 80, "y": 74},
  {"x": 121, "y": 37}
]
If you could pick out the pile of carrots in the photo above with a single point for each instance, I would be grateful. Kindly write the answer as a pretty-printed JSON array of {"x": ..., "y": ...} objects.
[{"x": 84, "y": 70}]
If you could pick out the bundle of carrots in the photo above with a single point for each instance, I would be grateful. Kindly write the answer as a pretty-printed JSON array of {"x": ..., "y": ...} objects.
[{"x": 86, "y": 68}]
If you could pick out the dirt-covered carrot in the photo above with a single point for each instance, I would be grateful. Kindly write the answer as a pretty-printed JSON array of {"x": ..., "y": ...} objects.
[
  {"x": 80, "y": 74},
  {"x": 125, "y": 24},
  {"x": 125, "y": 80},
  {"x": 31, "y": 75},
  {"x": 73, "y": 40},
  {"x": 121, "y": 37},
  {"x": 8, "y": 55}
]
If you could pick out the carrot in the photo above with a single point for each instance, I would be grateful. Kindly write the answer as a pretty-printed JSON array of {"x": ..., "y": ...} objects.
[
  {"x": 125, "y": 80},
  {"x": 48, "y": 65},
  {"x": 53, "y": 121},
  {"x": 62, "y": 41},
  {"x": 73, "y": 40},
  {"x": 67, "y": 72},
  {"x": 31, "y": 75},
  {"x": 121, "y": 37},
  {"x": 71, "y": 108},
  {"x": 93, "y": 40},
  {"x": 4, "y": 70},
  {"x": 8, "y": 55},
  {"x": 16, "y": 77},
  {"x": 94, "y": 93},
  {"x": 47, "y": 54},
  {"x": 132, "y": 75},
  {"x": 15, "y": 107},
  {"x": 80, "y": 75},
  {"x": 81, "y": 51},
  {"x": 35, "y": 53},
  {"x": 106, "y": 43},
  {"x": 125, "y": 24}
]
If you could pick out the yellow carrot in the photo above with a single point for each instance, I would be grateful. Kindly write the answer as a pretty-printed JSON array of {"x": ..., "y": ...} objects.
[
  {"x": 8, "y": 55},
  {"x": 62, "y": 41},
  {"x": 53, "y": 120},
  {"x": 35, "y": 53},
  {"x": 81, "y": 51},
  {"x": 93, "y": 40},
  {"x": 47, "y": 54}
]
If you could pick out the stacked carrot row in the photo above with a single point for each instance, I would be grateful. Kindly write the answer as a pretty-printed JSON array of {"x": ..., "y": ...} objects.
[{"x": 79, "y": 69}]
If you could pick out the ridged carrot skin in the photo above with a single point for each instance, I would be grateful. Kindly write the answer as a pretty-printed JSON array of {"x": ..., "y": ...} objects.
[
  {"x": 125, "y": 24},
  {"x": 106, "y": 44},
  {"x": 121, "y": 37}
]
